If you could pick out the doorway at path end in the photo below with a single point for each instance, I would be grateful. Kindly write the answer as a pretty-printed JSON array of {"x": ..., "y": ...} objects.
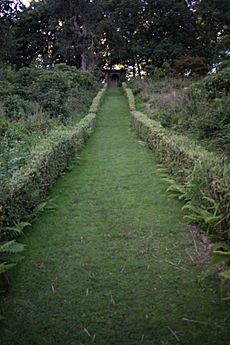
[{"x": 114, "y": 78}]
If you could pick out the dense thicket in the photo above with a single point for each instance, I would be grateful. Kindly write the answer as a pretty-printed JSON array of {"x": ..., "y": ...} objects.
[
  {"x": 91, "y": 33},
  {"x": 199, "y": 109},
  {"x": 32, "y": 102}
]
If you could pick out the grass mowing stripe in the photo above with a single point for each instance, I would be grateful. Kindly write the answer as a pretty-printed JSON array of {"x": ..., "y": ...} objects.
[{"x": 109, "y": 265}]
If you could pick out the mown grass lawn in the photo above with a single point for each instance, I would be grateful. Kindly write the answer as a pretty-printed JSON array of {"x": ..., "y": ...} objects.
[{"x": 109, "y": 264}]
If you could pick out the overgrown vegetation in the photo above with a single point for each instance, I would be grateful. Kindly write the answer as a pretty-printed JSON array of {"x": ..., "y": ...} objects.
[
  {"x": 205, "y": 176},
  {"x": 24, "y": 186},
  {"x": 199, "y": 109},
  {"x": 111, "y": 261},
  {"x": 200, "y": 178},
  {"x": 33, "y": 102}
]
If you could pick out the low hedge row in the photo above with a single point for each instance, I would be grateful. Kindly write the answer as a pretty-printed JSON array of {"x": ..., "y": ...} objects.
[
  {"x": 204, "y": 176},
  {"x": 96, "y": 101},
  {"x": 30, "y": 184}
]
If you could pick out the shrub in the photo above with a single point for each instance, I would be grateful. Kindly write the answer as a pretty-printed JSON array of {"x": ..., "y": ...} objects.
[
  {"x": 216, "y": 85},
  {"x": 188, "y": 108},
  {"x": 191, "y": 66},
  {"x": 205, "y": 176},
  {"x": 15, "y": 107},
  {"x": 29, "y": 185},
  {"x": 6, "y": 89},
  {"x": 54, "y": 90},
  {"x": 27, "y": 75},
  {"x": 159, "y": 72}
]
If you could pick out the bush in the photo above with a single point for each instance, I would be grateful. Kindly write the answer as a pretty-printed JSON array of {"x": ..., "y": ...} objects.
[
  {"x": 205, "y": 177},
  {"x": 188, "y": 107},
  {"x": 191, "y": 66},
  {"x": 159, "y": 72},
  {"x": 15, "y": 107},
  {"x": 29, "y": 185},
  {"x": 53, "y": 89},
  {"x": 214, "y": 86},
  {"x": 6, "y": 89},
  {"x": 37, "y": 100},
  {"x": 27, "y": 75}
]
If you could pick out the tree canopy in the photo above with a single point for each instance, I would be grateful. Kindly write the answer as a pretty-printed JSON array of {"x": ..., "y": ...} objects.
[{"x": 89, "y": 34}]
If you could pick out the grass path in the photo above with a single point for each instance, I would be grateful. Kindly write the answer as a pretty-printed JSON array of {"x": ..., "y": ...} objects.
[{"x": 98, "y": 270}]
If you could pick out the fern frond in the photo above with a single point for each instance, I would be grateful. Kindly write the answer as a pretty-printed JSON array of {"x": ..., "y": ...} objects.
[
  {"x": 17, "y": 229},
  {"x": 11, "y": 247},
  {"x": 4, "y": 267}
]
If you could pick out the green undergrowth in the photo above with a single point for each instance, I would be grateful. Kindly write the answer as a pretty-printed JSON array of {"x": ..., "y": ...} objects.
[
  {"x": 198, "y": 109},
  {"x": 29, "y": 185},
  {"x": 199, "y": 177},
  {"x": 23, "y": 194},
  {"x": 33, "y": 103},
  {"x": 109, "y": 264}
]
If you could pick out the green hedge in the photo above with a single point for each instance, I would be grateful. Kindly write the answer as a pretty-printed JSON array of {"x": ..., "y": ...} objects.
[
  {"x": 96, "y": 101},
  {"x": 30, "y": 184},
  {"x": 205, "y": 177}
]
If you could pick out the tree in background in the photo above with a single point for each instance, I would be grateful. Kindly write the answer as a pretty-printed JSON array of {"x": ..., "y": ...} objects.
[
  {"x": 149, "y": 33},
  {"x": 9, "y": 11},
  {"x": 57, "y": 31},
  {"x": 169, "y": 31},
  {"x": 33, "y": 35},
  {"x": 120, "y": 30},
  {"x": 213, "y": 28},
  {"x": 91, "y": 34}
]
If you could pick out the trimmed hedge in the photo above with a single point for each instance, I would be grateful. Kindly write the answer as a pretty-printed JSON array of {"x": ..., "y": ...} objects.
[
  {"x": 204, "y": 174},
  {"x": 30, "y": 184},
  {"x": 96, "y": 101}
]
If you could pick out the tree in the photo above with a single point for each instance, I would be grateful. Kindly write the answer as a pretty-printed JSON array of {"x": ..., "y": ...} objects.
[
  {"x": 119, "y": 32},
  {"x": 148, "y": 32},
  {"x": 9, "y": 11},
  {"x": 58, "y": 31},
  {"x": 33, "y": 35},
  {"x": 89, "y": 34},
  {"x": 213, "y": 28}
]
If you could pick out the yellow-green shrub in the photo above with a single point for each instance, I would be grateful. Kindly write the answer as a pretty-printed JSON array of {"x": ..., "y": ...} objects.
[
  {"x": 96, "y": 101},
  {"x": 130, "y": 96}
]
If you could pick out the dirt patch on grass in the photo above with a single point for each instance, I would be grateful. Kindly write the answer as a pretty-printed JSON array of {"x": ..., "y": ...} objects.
[{"x": 200, "y": 252}]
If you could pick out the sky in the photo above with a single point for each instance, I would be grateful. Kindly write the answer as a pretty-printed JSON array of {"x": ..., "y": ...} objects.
[{"x": 26, "y": 2}]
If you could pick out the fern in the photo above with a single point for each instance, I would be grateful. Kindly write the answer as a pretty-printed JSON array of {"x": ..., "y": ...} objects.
[
  {"x": 178, "y": 191},
  {"x": 17, "y": 230},
  {"x": 10, "y": 254},
  {"x": 9, "y": 251},
  {"x": 208, "y": 216},
  {"x": 221, "y": 255},
  {"x": 4, "y": 267},
  {"x": 45, "y": 206}
]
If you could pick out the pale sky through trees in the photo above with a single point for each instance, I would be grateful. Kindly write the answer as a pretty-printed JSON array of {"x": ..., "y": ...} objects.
[{"x": 26, "y": 2}]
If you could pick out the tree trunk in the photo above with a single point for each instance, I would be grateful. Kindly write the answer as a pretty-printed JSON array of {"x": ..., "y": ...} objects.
[
  {"x": 83, "y": 56},
  {"x": 134, "y": 70},
  {"x": 6, "y": 281},
  {"x": 139, "y": 68}
]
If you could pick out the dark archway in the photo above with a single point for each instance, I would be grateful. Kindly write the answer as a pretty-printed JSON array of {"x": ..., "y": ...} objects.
[{"x": 114, "y": 80}]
